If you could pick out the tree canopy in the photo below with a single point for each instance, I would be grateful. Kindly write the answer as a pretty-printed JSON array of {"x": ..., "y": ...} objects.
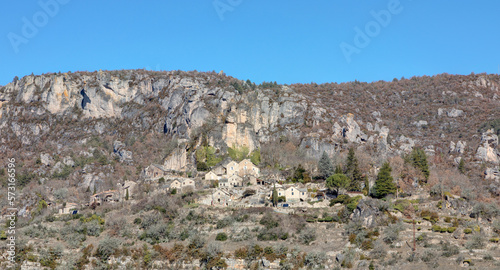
[
  {"x": 325, "y": 166},
  {"x": 337, "y": 182},
  {"x": 384, "y": 184}
]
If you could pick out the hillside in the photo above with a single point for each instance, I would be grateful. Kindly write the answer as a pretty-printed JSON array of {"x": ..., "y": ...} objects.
[{"x": 74, "y": 135}]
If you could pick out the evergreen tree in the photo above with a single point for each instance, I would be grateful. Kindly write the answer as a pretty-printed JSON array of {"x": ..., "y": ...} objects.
[
  {"x": 298, "y": 175},
  {"x": 418, "y": 159},
  {"x": 126, "y": 195},
  {"x": 337, "y": 182},
  {"x": 275, "y": 196},
  {"x": 338, "y": 169},
  {"x": 384, "y": 184},
  {"x": 461, "y": 166},
  {"x": 352, "y": 171},
  {"x": 325, "y": 166}
]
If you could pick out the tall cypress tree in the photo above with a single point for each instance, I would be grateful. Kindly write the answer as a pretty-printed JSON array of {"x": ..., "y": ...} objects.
[
  {"x": 352, "y": 171},
  {"x": 384, "y": 184},
  {"x": 325, "y": 166}
]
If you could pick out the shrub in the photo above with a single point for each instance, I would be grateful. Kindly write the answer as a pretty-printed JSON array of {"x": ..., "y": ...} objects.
[
  {"x": 467, "y": 230},
  {"x": 137, "y": 221},
  {"x": 315, "y": 259},
  {"x": 269, "y": 221},
  {"x": 307, "y": 236},
  {"x": 221, "y": 237},
  {"x": 241, "y": 253},
  {"x": 449, "y": 249},
  {"x": 107, "y": 247},
  {"x": 392, "y": 232},
  {"x": 475, "y": 242},
  {"x": 226, "y": 221}
]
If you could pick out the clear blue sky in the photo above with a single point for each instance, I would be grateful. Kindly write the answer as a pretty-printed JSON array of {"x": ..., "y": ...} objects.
[{"x": 285, "y": 41}]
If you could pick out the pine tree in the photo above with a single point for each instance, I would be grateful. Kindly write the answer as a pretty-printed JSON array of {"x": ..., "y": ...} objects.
[
  {"x": 418, "y": 159},
  {"x": 325, "y": 166},
  {"x": 126, "y": 195},
  {"x": 461, "y": 166},
  {"x": 338, "y": 169},
  {"x": 384, "y": 184},
  {"x": 352, "y": 171},
  {"x": 337, "y": 182}
]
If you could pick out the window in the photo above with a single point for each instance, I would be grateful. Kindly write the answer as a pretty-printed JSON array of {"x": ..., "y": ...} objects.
[
  {"x": 231, "y": 168},
  {"x": 292, "y": 193},
  {"x": 302, "y": 193}
]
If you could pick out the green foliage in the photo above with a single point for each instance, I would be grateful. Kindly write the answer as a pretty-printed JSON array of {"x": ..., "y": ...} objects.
[
  {"x": 301, "y": 175},
  {"x": 384, "y": 184},
  {"x": 325, "y": 166},
  {"x": 352, "y": 171},
  {"x": 238, "y": 153},
  {"x": 338, "y": 181},
  {"x": 64, "y": 173},
  {"x": 221, "y": 237},
  {"x": 274, "y": 197},
  {"x": 269, "y": 221},
  {"x": 174, "y": 191},
  {"x": 467, "y": 230},
  {"x": 418, "y": 159},
  {"x": 342, "y": 199},
  {"x": 492, "y": 124},
  {"x": 126, "y": 195},
  {"x": 353, "y": 203},
  {"x": 91, "y": 218},
  {"x": 206, "y": 157},
  {"x": 255, "y": 157},
  {"x": 461, "y": 166}
]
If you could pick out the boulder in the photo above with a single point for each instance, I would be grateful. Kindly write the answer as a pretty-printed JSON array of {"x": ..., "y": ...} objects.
[
  {"x": 454, "y": 113},
  {"x": 46, "y": 159},
  {"x": 118, "y": 149},
  {"x": 368, "y": 212},
  {"x": 492, "y": 173}
]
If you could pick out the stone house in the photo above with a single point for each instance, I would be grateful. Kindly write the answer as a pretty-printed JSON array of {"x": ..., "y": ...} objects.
[
  {"x": 105, "y": 196},
  {"x": 68, "y": 208},
  {"x": 294, "y": 194},
  {"x": 154, "y": 171},
  {"x": 126, "y": 186},
  {"x": 171, "y": 184},
  {"x": 235, "y": 181},
  {"x": 232, "y": 168},
  {"x": 221, "y": 198},
  {"x": 186, "y": 182},
  {"x": 246, "y": 167},
  {"x": 224, "y": 183},
  {"x": 211, "y": 176}
]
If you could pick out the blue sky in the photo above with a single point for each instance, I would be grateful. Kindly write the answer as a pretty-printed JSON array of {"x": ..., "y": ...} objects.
[{"x": 284, "y": 41}]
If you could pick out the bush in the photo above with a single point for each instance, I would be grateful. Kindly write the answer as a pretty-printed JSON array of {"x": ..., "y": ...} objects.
[
  {"x": 315, "y": 259},
  {"x": 467, "y": 230},
  {"x": 221, "y": 237},
  {"x": 475, "y": 242},
  {"x": 391, "y": 233},
  {"x": 222, "y": 223},
  {"x": 307, "y": 236},
  {"x": 269, "y": 221},
  {"x": 449, "y": 249},
  {"x": 107, "y": 247}
]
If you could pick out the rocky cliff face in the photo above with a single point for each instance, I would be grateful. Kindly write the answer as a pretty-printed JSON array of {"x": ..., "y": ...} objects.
[{"x": 224, "y": 111}]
